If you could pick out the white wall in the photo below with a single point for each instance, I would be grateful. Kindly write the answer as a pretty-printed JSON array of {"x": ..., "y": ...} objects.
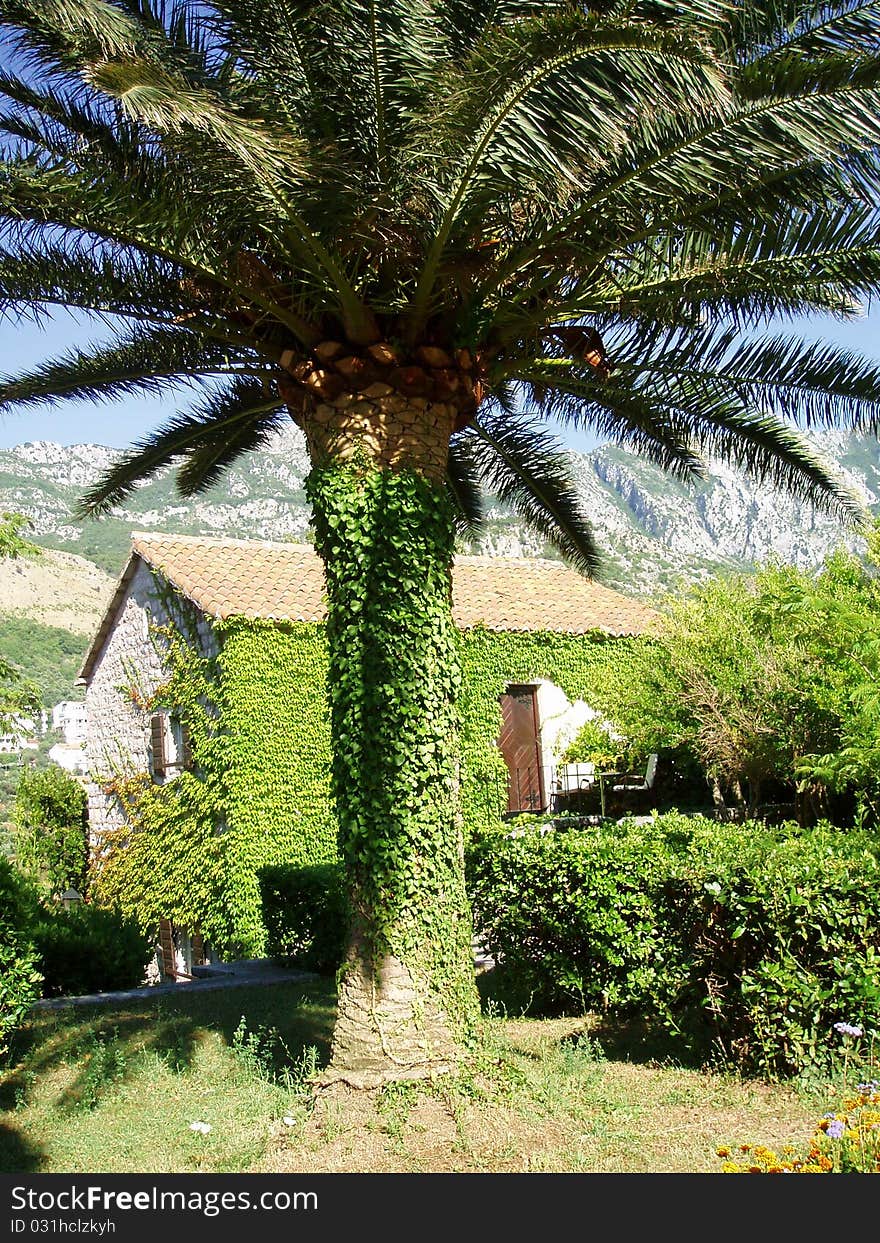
[{"x": 71, "y": 717}]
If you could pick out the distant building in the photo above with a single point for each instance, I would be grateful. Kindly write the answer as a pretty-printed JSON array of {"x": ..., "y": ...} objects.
[
  {"x": 71, "y": 718},
  {"x": 20, "y": 736},
  {"x": 72, "y": 758}
]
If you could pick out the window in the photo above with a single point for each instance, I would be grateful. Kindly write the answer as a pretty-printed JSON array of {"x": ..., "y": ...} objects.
[{"x": 170, "y": 748}]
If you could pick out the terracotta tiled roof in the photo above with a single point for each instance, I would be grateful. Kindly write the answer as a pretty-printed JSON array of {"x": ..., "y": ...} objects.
[
  {"x": 254, "y": 578},
  {"x": 285, "y": 582}
]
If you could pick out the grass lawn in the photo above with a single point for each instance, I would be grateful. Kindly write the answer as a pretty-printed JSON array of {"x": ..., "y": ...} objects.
[{"x": 116, "y": 1090}]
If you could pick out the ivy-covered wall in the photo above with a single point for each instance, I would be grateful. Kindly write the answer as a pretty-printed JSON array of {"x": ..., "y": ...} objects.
[
  {"x": 260, "y": 790},
  {"x": 490, "y": 659},
  {"x": 276, "y": 756}
]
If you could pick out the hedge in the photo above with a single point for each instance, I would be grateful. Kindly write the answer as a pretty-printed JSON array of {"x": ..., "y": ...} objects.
[
  {"x": 20, "y": 977},
  {"x": 305, "y": 914},
  {"x": 48, "y": 951},
  {"x": 747, "y": 942}
]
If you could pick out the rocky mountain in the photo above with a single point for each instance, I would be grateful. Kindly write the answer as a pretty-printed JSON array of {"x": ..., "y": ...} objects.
[{"x": 655, "y": 530}]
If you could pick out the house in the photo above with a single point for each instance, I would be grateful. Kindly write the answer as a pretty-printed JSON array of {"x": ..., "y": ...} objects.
[
  {"x": 69, "y": 718},
  {"x": 205, "y": 683},
  {"x": 69, "y": 756}
]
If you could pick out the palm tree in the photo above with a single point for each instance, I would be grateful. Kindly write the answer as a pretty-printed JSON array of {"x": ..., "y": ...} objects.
[{"x": 420, "y": 228}]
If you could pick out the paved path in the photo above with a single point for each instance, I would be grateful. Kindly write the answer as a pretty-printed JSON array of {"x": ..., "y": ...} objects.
[
  {"x": 246, "y": 971},
  {"x": 251, "y": 971}
]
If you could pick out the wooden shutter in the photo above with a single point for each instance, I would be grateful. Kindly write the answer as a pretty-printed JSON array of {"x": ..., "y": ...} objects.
[
  {"x": 167, "y": 949},
  {"x": 157, "y": 743}
]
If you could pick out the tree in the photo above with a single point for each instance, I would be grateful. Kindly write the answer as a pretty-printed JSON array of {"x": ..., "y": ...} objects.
[
  {"x": 18, "y": 696},
  {"x": 728, "y": 680},
  {"x": 52, "y": 831},
  {"x": 767, "y": 680},
  {"x": 418, "y": 229},
  {"x": 12, "y": 543},
  {"x": 842, "y": 613}
]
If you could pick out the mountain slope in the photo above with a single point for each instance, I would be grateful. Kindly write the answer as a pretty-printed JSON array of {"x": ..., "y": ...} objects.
[
  {"x": 58, "y": 589},
  {"x": 654, "y": 530}
]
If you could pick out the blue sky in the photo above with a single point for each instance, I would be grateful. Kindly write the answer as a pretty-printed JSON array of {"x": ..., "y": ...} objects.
[{"x": 119, "y": 423}]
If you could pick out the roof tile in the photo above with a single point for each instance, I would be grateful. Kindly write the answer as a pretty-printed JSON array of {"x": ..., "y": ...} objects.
[{"x": 255, "y": 578}]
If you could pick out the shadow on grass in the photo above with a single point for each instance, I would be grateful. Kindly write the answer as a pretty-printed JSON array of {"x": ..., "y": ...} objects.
[
  {"x": 620, "y": 1039},
  {"x": 17, "y": 1155},
  {"x": 105, "y": 1042},
  {"x": 645, "y": 1044}
]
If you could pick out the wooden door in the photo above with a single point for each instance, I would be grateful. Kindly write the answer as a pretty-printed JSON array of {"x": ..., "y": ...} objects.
[{"x": 521, "y": 747}]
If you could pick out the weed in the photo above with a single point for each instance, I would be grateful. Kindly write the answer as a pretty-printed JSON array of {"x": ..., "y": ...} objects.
[
  {"x": 298, "y": 1076},
  {"x": 105, "y": 1068},
  {"x": 254, "y": 1051},
  {"x": 578, "y": 1052},
  {"x": 26, "y": 1081},
  {"x": 262, "y": 1054},
  {"x": 394, "y": 1104}
]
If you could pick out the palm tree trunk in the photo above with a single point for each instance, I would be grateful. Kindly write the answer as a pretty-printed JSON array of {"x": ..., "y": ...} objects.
[{"x": 384, "y": 530}]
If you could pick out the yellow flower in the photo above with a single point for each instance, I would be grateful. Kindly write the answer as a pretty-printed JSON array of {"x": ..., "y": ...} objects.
[{"x": 722, "y": 1152}]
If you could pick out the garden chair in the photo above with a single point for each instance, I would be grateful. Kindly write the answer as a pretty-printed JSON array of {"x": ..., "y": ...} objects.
[
  {"x": 623, "y": 784},
  {"x": 635, "y": 781}
]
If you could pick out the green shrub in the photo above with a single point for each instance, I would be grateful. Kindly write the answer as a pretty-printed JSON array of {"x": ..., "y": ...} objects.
[
  {"x": 90, "y": 949},
  {"x": 306, "y": 914},
  {"x": 52, "y": 838},
  {"x": 20, "y": 977},
  {"x": 572, "y": 926},
  {"x": 749, "y": 943},
  {"x": 594, "y": 744}
]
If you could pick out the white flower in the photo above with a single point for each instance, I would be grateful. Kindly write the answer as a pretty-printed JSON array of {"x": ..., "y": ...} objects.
[
  {"x": 202, "y": 1127},
  {"x": 288, "y": 1121},
  {"x": 848, "y": 1029}
]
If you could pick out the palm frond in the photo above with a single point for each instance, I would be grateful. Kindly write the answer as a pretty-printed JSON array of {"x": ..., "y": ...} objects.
[
  {"x": 639, "y": 419},
  {"x": 774, "y": 454},
  {"x": 239, "y": 416},
  {"x": 166, "y": 102},
  {"x": 824, "y": 261},
  {"x": 813, "y": 384},
  {"x": 525, "y": 467},
  {"x": 463, "y": 484},
  {"x": 146, "y": 361},
  {"x": 235, "y": 420},
  {"x": 564, "y": 75}
]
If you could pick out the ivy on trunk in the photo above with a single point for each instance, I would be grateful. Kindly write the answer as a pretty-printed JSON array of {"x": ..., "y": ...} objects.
[{"x": 407, "y": 990}]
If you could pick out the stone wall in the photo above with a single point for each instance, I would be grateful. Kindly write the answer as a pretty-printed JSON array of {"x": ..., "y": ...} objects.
[{"x": 126, "y": 674}]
